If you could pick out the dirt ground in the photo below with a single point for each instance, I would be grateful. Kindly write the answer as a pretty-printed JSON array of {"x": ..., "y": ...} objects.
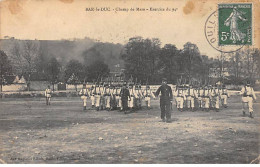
[{"x": 31, "y": 132}]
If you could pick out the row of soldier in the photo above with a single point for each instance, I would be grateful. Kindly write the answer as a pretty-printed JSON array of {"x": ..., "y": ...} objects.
[
  {"x": 113, "y": 97},
  {"x": 205, "y": 98},
  {"x": 109, "y": 97}
]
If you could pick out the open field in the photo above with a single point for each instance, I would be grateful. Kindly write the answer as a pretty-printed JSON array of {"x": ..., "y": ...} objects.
[{"x": 31, "y": 132}]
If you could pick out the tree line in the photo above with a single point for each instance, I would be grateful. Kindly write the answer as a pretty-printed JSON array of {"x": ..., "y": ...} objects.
[{"x": 145, "y": 61}]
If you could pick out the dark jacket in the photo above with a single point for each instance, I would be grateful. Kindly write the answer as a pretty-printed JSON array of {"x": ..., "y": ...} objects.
[{"x": 166, "y": 92}]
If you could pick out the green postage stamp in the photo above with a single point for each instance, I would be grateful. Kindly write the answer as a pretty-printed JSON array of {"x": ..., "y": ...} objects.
[{"x": 235, "y": 24}]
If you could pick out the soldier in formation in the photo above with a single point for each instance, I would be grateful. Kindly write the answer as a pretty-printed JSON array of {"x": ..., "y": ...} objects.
[{"x": 84, "y": 93}]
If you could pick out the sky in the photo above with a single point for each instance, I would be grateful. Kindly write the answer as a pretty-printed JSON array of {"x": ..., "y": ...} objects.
[{"x": 68, "y": 19}]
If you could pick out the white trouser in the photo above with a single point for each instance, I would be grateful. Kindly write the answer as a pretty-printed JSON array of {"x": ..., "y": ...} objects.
[
  {"x": 190, "y": 102},
  {"x": 249, "y": 101},
  {"x": 92, "y": 98},
  {"x": 224, "y": 98},
  {"x": 107, "y": 101},
  {"x": 200, "y": 101},
  {"x": 97, "y": 98},
  {"x": 216, "y": 102},
  {"x": 84, "y": 98},
  {"x": 206, "y": 102},
  {"x": 179, "y": 101},
  {"x": 131, "y": 102},
  {"x": 148, "y": 100}
]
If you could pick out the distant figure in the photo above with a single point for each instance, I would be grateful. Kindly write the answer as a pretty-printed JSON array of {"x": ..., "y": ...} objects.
[
  {"x": 48, "y": 93},
  {"x": 248, "y": 95},
  {"x": 147, "y": 96},
  {"x": 165, "y": 100},
  {"x": 125, "y": 96},
  {"x": 224, "y": 96}
]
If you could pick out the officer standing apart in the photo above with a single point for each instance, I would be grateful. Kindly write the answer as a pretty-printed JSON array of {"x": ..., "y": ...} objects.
[
  {"x": 165, "y": 100},
  {"x": 48, "y": 95},
  {"x": 248, "y": 95}
]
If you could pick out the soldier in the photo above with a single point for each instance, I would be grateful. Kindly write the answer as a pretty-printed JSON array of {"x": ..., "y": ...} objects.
[
  {"x": 118, "y": 97},
  {"x": 47, "y": 94},
  {"x": 133, "y": 98},
  {"x": 215, "y": 95},
  {"x": 147, "y": 96},
  {"x": 139, "y": 96},
  {"x": 190, "y": 96},
  {"x": 102, "y": 96},
  {"x": 199, "y": 95},
  {"x": 97, "y": 97},
  {"x": 107, "y": 97},
  {"x": 180, "y": 97},
  {"x": 125, "y": 96},
  {"x": 206, "y": 98},
  {"x": 224, "y": 96},
  {"x": 92, "y": 96},
  {"x": 84, "y": 95},
  {"x": 248, "y": 95},
  {"x": 165, "y": 100}
]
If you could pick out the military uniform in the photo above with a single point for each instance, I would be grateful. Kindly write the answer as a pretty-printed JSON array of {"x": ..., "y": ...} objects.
[
  {"x": 92, "y": 96},
  {"x": 147, "y": 96},
  {"x": 199, "y": 92},
  {"x": 248, "y": 95},
  {"x": 215, "y": 95},
  {"x": 47, "y": 94},
  {"x": 190, "y": 97},
  {"x": 206, "y": 98},
  {"x": 118, "y": 97},
  {"x": 107, "y": 97},
  {"x": 132, "y": 99},
  {"x": 165, "y": 100},
  {"x": 97, "y": 97},
  {"x": 180, "y": 97},
  {"x": 125, "y": 96},
  {"x": 84, "y": 93},
  {"x": 224, "y": 95}
]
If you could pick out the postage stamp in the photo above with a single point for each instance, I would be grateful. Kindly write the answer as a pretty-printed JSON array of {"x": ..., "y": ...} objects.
[{"x": 235, "y": 24}]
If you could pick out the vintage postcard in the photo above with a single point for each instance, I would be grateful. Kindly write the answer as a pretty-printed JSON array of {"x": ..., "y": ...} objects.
[{"x": 129, "y": 82}]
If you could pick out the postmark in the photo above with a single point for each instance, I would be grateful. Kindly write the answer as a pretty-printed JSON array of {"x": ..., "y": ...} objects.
[{"x": 226, "y": 31}]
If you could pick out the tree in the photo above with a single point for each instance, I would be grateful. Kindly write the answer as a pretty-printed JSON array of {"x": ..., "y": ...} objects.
[
  {"x": 76, "y": 68},
  {"x": 168, "y": 62},
  {"x": 141, "y": 58},
  {"x": 24, "y": 56},
  {"x": 53, "y": 71},
  {"x": 5, "y": 68},
  {"x": 97, "y": 70}
]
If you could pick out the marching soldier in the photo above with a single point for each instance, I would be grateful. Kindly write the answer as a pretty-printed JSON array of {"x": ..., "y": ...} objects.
[
  {"x": 118, "y": 97},
  {"x": 84, "y": 95},
  {"x": 102, "y": 97},
  {"x": 248, "y": 95},
  {"x": 180, "y": 97},
  {"x": 107, "y": 97},
  {"x": 215, "y": 95},
  {"x": 147, "y": 96},
  {"x": 199, "y": 94},
  {"x": 97, "y": 97},
  {"x": 92, "y": 96},
  {"x": 224, "y": 96},
  {"x": 139, "y": 95},
  {"x": 125, "y": 96},
  {"x": 133, "y": 97},
  {"x": 206, "y": 98},
  {"x": 47, "y": 94},
  {"x": 165, "y": 100},
  {"x": 190, "y": 96}
]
